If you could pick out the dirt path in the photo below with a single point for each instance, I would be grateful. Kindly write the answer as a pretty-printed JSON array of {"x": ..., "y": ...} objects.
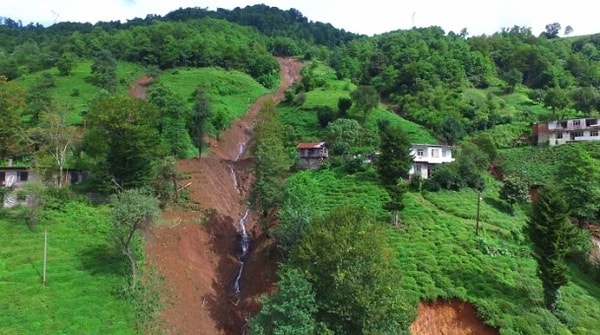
[{"x": 197, "y": 261}]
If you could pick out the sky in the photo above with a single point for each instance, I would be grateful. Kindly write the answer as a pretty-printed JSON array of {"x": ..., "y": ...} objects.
[{"x": 364, "y": 17}]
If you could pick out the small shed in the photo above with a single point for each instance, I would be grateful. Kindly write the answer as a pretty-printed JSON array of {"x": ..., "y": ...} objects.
[{"x": 311, "y": 154}]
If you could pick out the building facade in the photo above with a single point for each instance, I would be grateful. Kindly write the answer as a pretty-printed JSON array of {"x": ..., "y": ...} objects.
[
  {"x": 427, "y": 156},
  {"x": 560, "y": 132},
  {"x": 312, "y": 154}
]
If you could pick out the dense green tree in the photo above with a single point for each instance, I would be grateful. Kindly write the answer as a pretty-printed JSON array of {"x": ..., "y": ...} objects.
[
  {"x": 365, "y": 99},
  {"x": 452, "y": 130},
  {"x": 344, "y": 105},
  {"x": 556, "y": 99},
  {"x": 123, "y": 140},
  {"x": 514, "y": 190},
  {"x": 39, "y": 97},
  {"x": 65, "y": 63},
  {"x": 12, "y": 102},
  {"x": 353, "y": 274},
  {"x": 288, "y": 311},
  {"x": 172, "y": 121},
  {"x": 344, "y": 134},
  {"x": 551, "y": 234},
  {"x": 132, "y": 209},
  {"x": 271, "y": 160},
  {"x": 165, "y": 185},
  {"x": 104, "y": 69},
  {"x": 579, "y": 177},
  {"x": 325, "y": 114},
  {"x": 586, "y": 99},
  {"x": 393, "y": 163},
  {"x": 471, "y": 163},
  {"x": 301, "y": 195},
  {"x": 201, "y": 113},
  {"x": 552, "y": 30},
  {"x": 514, "y": 77}
]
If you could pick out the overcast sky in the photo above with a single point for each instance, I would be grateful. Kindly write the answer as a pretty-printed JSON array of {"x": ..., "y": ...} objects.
[{"x": 365, "y": 17}]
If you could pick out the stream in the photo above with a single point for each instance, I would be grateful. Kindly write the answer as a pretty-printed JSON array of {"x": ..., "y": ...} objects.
[{"x": 244, "y": 243}]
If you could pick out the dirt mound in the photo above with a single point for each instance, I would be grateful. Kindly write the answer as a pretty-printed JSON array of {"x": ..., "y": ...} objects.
[
  {"x": 195, "y": 252},
  {"x": 449, "y": 317}
]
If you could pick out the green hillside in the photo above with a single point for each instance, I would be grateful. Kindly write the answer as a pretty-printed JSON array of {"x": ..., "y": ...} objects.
[{"x": 84, "y": 275}]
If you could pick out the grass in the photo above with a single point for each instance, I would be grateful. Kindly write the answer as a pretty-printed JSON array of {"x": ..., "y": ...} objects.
[
  {"x": 540, "y": 164},
  {"x": 84, "y": 273},
  {"x": 231, "y": 92},
  {"x": 63, "y": 94},
  {"x": 441, "y": 257}
]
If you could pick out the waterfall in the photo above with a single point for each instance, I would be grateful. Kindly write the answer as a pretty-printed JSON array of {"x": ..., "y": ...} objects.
[
  {"x": 244, "y": 237},
  {"x": 244, "y": 246}
]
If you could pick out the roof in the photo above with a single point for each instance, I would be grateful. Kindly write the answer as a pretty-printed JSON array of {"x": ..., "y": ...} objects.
[
  {"x": 310, "y": 145},
  {"x": 414, "y": 145}
]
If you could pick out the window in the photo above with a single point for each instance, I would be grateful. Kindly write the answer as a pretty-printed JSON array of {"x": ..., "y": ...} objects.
[
  {"x": 435, "y": 153},
  {"x": 591, "y": 122},
  {"x": 576, "y": 122},
  {"x": 594, "y": 133},
  {"x": 559, "y": 136},
  {"x": 418, "y": 169},
  {"x": 576, "y": 134},
  {"x": 419, "y": 152},
  {"x": 22, "y": 176}
]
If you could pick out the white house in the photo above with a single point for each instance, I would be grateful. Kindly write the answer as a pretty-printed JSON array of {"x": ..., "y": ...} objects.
[
  {"x": 427, "y": 156},
  {"x": 560, "y": 132}
]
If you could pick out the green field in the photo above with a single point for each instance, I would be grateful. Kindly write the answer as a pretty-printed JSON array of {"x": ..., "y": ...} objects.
[
  {"x": 64, "y": 95},
  {"x": 84, "y": 274},
  {"x": 230, "y": 92},
  {"x": 441, "y": 257}
]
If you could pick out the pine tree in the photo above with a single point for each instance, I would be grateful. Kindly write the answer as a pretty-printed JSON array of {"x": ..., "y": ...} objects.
[
  {"x": 552, "y": 235},
  {"x": 393, "y": 164}
]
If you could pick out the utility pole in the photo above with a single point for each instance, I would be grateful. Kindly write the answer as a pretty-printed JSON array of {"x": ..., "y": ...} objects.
[
  {"x": 45, "y": 253},
  {"x": 478, "y": 206}
]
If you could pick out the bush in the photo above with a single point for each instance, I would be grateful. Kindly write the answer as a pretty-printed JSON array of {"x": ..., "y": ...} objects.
[
  {"x": 355, "y": 165},
  {"x": 325, "y": 114}
]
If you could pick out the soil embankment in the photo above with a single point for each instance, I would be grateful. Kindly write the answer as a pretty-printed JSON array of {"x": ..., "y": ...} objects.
[{"x": 195, "y": 252}]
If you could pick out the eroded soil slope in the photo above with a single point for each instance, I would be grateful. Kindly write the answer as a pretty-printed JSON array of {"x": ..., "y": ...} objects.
[{"x": 196, "y": 251}]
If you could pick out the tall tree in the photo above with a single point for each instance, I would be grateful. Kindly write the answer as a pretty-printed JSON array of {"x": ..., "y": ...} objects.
[
  {"x": 579, "y": 177},
  {"x": 201, "y": 113},
  {"x": 123, "y": 140},
  {"x": 289, "y": 311},
  {"x": 452, "y": 130},
  {"x": 552, "y": 235},
  {"x": 172, "y": 125},
  {"x": 353, "y": 274},
  {"x": 365, "y": 99},
  {"x": 394, "y": 162},
  {"x": 55, "y": 138},
  {"x": 12, "y": 101},
  {"x": 131, "y": 210},
  {"x": 514, "y": 190},
  {"x": 271, "y": 160},
  {"x": 556, "y": 99},
  {"x": 105, "y": 70}
]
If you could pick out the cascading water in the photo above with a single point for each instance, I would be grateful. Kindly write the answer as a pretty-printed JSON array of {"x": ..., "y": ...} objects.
[
  {"x": 243, "y": 252},
  {"x": 244, "y": 245}
]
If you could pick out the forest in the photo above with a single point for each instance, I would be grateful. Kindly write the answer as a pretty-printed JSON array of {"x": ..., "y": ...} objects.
[{"x": 357, "y": 245}]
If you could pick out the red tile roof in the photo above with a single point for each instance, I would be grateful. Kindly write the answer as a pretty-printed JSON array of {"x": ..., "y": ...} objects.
[{"x": 310, "y": 145}]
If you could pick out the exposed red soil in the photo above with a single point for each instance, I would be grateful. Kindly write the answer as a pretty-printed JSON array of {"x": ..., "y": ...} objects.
[
  {"x": 139, "y": 88},
  {"x": 195, "y": 252},
  {"x": 449, "y": 317}
]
